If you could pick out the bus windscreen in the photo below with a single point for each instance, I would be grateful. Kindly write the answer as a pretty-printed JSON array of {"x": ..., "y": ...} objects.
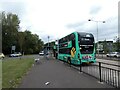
[{"x": 86, "y": 44}]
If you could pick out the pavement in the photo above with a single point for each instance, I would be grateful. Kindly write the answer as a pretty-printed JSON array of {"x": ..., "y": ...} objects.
[{"x": 52, "y": 73}]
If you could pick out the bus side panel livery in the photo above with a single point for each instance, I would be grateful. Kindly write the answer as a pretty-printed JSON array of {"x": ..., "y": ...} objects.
[{"x": 77, "y": 46}]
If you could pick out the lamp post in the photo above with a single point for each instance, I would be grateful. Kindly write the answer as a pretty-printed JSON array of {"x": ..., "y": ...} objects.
[
  {"x": 97, "y": 32},
  {"x": 48, "y": 43}
]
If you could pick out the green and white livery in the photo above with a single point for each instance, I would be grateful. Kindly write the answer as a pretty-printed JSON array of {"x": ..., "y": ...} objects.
[{"x": 77, "y": 48}]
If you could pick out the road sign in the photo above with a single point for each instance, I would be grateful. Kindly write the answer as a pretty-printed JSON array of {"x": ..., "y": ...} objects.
[{"x": 13, "y": 48}]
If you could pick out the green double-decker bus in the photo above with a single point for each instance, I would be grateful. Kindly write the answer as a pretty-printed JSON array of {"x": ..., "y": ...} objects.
[{"x": 77, "y": 48}]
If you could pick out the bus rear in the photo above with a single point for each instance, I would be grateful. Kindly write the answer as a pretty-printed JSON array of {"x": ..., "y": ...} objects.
[{"x": 86, "y": 47}]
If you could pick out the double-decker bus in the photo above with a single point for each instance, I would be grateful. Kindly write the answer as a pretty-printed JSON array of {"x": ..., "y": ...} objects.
[{"x": 77, "y": 48}]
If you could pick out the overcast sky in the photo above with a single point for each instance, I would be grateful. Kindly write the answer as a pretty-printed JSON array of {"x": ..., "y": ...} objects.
[{"x": 58, "y": 18}]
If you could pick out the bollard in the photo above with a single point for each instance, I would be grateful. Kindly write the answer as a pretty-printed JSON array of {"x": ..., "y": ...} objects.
[
  {"x": 70, "y": 63},
  {"x": 80, "y": 66},
  {"x": 100, "y": 71},
  {"x": 68, "y": 60}
]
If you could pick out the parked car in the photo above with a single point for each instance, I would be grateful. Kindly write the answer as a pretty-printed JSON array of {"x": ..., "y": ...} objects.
[
  {"x": 41, "y": 53},
  {"x": 113, "y": 54},
  {"x": 118, "y": 55},
  {"x": 2, "y": 55},
  {"x": 16, "y": 54}
]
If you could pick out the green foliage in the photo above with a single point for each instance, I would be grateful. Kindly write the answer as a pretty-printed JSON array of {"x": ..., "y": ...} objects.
[
  {"x": 11, "y": 36},
  {"x": 105, "y": 47},
  {"x": 117, "y": 45},
  {"x": 10, "y": 26},
  {"x": 32, "y": 43}
]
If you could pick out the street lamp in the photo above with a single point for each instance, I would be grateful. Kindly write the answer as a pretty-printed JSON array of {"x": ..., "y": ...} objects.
[
  {"x": 48, "y": 44},
  {"x": 57, "y": 48},
  {"x": 97, "y": 31}
]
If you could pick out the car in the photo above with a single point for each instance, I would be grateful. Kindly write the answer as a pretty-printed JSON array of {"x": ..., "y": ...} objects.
[
  {"x": 16, "y": 54},
  {"x": 2, "y": 56},
  {"x": 41, "y": 53},
  {"x": 118, "y": 55},
  {"x": 113, "y": 54}
]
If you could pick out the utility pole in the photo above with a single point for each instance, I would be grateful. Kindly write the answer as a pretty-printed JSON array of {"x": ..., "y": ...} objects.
[
  {"x": 97, "y": 33},
  {"x": 48, "y": 43}
]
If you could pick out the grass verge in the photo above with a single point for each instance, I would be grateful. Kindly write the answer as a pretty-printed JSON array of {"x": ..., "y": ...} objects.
[
  {"x": 0, "y": 74},
  {"x": 13, "y": 70}
]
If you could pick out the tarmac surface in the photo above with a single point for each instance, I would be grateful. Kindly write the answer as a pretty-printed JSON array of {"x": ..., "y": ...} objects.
[{"x": 52, "y": 73}]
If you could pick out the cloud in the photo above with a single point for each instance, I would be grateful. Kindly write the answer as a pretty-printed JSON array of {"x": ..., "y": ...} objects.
[
  {"x": 75, "y": 25},
  {"x": 95, "y": 9},
  {"x": 107, "y": 30},
  {"x": 58, "y": 18},
  {"x": 13, "y": 7}
]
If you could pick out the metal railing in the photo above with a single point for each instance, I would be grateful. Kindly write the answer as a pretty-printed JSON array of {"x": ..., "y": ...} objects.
[{"x": 104, "y": 72}]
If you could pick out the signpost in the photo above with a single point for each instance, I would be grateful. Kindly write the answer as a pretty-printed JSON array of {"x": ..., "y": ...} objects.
[{"x": 13, "y": 48}]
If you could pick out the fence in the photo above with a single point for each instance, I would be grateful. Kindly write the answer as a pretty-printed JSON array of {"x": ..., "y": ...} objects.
[{"x": 104, "y": 72}]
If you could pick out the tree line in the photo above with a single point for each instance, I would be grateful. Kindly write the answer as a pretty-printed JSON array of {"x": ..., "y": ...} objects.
[{"x": 24, "y": 41}]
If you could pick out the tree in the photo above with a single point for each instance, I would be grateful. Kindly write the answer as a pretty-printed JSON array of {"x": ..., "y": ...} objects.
[
  {"x": 117, "y": 45},
  {"x": 32, "y": 43},
  {"x": 21, "y": 38},
  {"x": 105, "y": 47},
  {"x": 0, "y": 32},
  {"x": 10, "y": 26},
  {"x": 11, "y": 36}
]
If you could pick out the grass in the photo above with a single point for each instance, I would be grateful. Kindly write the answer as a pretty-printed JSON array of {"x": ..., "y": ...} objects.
[
  {"x": 13, "y": 70},
  {"x": 0, "y": 74}
]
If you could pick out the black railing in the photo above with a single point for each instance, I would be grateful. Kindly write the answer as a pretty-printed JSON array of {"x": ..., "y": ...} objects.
[{"x": 104, "y": 72}]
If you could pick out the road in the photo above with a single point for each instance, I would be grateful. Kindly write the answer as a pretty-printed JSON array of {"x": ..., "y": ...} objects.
[
  {"x": 103, "y": 56},
  {"x": 116, "y": 63},
  {"x": 108, "y": 61}
]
